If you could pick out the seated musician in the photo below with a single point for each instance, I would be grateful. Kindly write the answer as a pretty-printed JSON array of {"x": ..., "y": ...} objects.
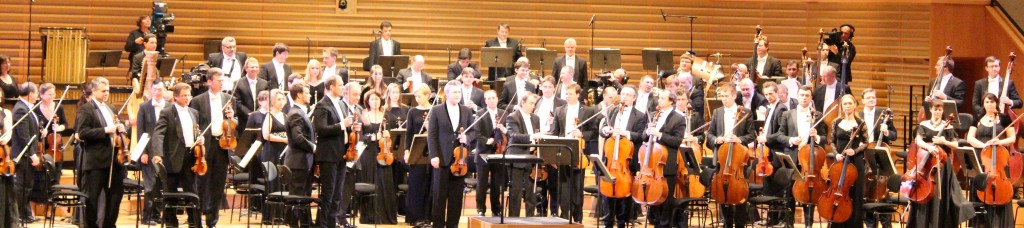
[
  {"x": 950, "y": 87},
  {"x": 626, "y": 122},
  {"x": 981, "y": 135},
  {"x": 523, "y": 128},
  {"x": 455, "y": 69},
  {"x": 731, "y": 123},
  {"x": 668, "y": 131},
  {"x": 414, "y": 75},
  {"x": 935, "y": 136},
  {"x": 994, "y": 84},
  {"x": 567, "y": 123},
  {"x": 795, "y": 131}
]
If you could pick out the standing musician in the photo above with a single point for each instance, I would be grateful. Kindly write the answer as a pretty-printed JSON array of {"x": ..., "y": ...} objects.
[
  {"x": 829, "y": 91},
  {"x": 174, "y": 134},
  {"x": 380, "y": 210},
  {"x": 981, "y": 135},
  {"x": 628, "y": 122},
  {"x": 545, "y": 111},
  {"x": 503, "y": 41},
  {"x": 645, "y": 98},
  {"x": 490, "y": 177},
  {"x": 472, "y": 96},
  {"x": 415, "y": 74},
  {"x": 523, "y": 128},
  {"x": 247, "y": 90},
  {"x": 570, "y": 180},
  {"x": 331, "y": 120},
  {"x": 383, "y": 46},
  {"x": 302, "y": 144},
  {"x": 694, "y": 118},
  {"x": 770, "y": 112},
  {"x": 788, "y": 101},
  {"x": 695, "y": 90},
  {"x": 276, "y": 71},
  {"x": 352, "y": 109},
  {"x": 994, "y": 84},
  {"x": 848, "y": 140},
  {"x": 97, "y": 129},
  {"x": 448, "y": 128},
  {"x": 214, "y": 108},
  {"x": 149, "y": 114},
  {"x": 25, "y": 139},
  {"x": 564, "y": 81},
  {"x": 518, "y": 86},
  {"x": 230, "y": 60},
  {"x": 571, "y": 59},
  {"x": 418, "y": 200},
  {"x": 764, "y": 64},
  {"x": 950, "y": 87},
  {"x": 8, "y": 211},
  {"x": 870, "y": 115},
  {"x": 49, "y": 111},
  {"x": 724, "y": 129},
  {"x": 456, "y": 69},
  {"x": 795, "y": 131},
  {"x": 793, "y": 80},
  {"x": 949, "y": 208},
  {"x": 609, "y": 102},
  {"x": 331, "y": 67},
  {"x": 668, "y": 129}
]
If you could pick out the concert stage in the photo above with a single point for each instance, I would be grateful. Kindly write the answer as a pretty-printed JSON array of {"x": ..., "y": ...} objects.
[{"x": 494, "y": 222}]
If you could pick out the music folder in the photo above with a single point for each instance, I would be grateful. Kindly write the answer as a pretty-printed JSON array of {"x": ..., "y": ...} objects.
[
  {"x": 250, "y": 153},
  {"x": 496, "y": 57},
  {"x": 596, "y": 160},
  {"x": 969, "y": 161},
  {"x": 540, "y": 58},
  {"x": 881, "y": 160},
  {"x": 398, "y": 136},
  {"x": 418, "y": 150},
  {"x": 103, "y": 58},
  {"x": 390, "y": 65},
  {"x": 605, "y": 58},
  {"x": 140, "y": 146},
  {"x": 657, "y": 59}
]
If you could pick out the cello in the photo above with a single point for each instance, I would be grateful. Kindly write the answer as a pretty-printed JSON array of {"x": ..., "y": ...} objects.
[
  {"x": 918, "y": 183},
  {"x": 842, "y": 177},
  {"x": 729, "y": 186},
  {"x": 688, "y": 185},
  {"x": 617, "y": 153},
  {"x": 649, "y": 185},
  {"x": 1016, "y": 159},
  {"x": 876, "y": 185},
  {"x": 812, "y": 156},
  {"x": 998, "y": 187}
]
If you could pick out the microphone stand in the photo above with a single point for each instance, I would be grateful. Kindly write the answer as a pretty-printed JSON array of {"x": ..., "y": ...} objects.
[
  {"x": 592, "y": 25},
  {"x": 309, "y": 43},
  {"x": 665, "y": 16}
]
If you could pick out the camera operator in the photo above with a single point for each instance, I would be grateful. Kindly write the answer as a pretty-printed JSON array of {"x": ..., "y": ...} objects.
[
  {"x": 134, "y": 44},
  {"x": 836, "y": 40}
]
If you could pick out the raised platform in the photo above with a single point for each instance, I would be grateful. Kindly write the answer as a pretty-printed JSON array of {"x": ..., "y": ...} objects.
[{"x": 494, "y": 222}]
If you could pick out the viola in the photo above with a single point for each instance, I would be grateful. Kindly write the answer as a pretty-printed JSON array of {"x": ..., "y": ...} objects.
[
  {"x": 729, "y": 186},
  {"x": 459, "y": 167},
  {"x": 649, "y": 185},
  {"x": 764, "y": 167},
  {"x": 835, "y": 204},
  {"x": 617, "y": 153},
  {"x": 199, "y": 151},
  {"x": 351, "y": 153},
  {"x": 812, "y": 156},
  {"x": 919, "y": 183},
  {"x": 228, "y": 140},
  {"x": 385, "y": 157}
]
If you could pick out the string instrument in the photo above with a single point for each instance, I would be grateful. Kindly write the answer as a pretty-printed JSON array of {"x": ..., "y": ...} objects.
[
  {"x": 807, "y": 77},
  {"x": 6, "y": 164},
  {"x": 757, "y": 39},
  {"x": 121, "y": 144},
  {"x": 618, "y": 166},
  {"x": 729, "y": 186},
  {"x": 351, "y": 153},
  {"x": 228, "y": 140},
  {"x": 936, "y": 83},
  {"x": 918, "y": 183},
  {"x": 53, "y": 140},
  {"x": 583, "y": 162},
  {"x": 812, "y": 157},
  {"x": 998, "y": 187},
  {"x": 764, "y": 167},
  {"x": 836, "y": 205},
  {"x": 540, "y": 172},
  {"x": 500, "y": 139},
  {"x": 688, "y": 185},
  {"x": 1016, "y": 159},
  {"x": 200, "y": 167},
  {"x": 876, "y": 185},
  {"x": 649, "y": 185},
  {"x": 459, "y": 167},
  {"x": 385, "y": 157}
]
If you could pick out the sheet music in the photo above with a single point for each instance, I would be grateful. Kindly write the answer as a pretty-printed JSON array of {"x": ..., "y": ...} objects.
[
  {"x": 137, "y": 151},
  {"x": 249, "y": 154}
]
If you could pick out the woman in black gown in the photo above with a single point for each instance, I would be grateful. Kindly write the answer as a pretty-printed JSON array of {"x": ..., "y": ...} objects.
[
  {"x": 981, "y": 135},
  {"x": 314, "y": 78},
  {"x": 395, "y": 115},
  {"x": 383, "y": 209},
  {"x": 7, "y": 83},
  {"x": 418, "y": 200},
  {"x": 8, "y": 210},
  {"x": 275, "y": 141},
  {"x": 948, "y": 208},
  {"x": 47, "y": 111},
  {"x": 848, "y": 138}
]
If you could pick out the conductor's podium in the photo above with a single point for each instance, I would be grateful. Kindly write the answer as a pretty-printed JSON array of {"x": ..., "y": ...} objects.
[{"x": 547, "y": 222}]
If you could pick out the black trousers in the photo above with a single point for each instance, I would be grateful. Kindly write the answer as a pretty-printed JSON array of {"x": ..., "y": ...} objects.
[
  {"x": 490, "y": 178},
  {"x": 665, "y": 215},
  {"x": 184, "y": 181},
  {"x": 99, "y": 191},
  {"x": 734, "y": 215},
  {"x": 570, "y": 193},
  {"x": 331, "y": 186},
  {"x": 300, "y": 185},
  {"x": 549, "y": 193},
  {"x": 345, "y": 193},
  {"x": 23, "y": 181},
  {"x": 152, "y": 188},
  {"x": 419, "y": 199},
  {"x": 213, "y": 182},
  {"x": 447, "y": 193},
  {"x": 619, "y": 211},
  {"x": 522, "y": 190}
]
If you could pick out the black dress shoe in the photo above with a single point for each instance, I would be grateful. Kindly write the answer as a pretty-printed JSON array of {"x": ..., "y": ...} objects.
[
  {"x": 149, "y": 222},
  {"x": 30, "y": 220}
]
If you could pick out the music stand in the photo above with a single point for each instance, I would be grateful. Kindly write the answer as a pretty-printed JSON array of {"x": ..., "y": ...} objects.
[
  {"x": 596, "y": 160},
  {"x": 390, "y": 65},
  {"x": 969, "y": 160},
  {"x": 880, "y": 161},
  {"x": 496, "y": 57},
  {"x": 656, "y": 59},
  {"x": 605, "y": 58},
  {"x": 419, "y": 142},
  {"x": 712, "y": 104},
  {"x": 509, "y": 160},
  {"x": 166, "y": 66},
  {"x": 539, "y": 57},
  {"x": 103, "y": 59},
  {"x": 558, "y": 147},
  {"x": 788, "y": 163},
  {"x": 398, "y": 135},
  {"x": 499, "y": 84},
  {"x": 245, "y": 140}
]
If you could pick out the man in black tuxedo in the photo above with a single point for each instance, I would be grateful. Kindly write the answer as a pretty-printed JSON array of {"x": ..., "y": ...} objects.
[
  {"x": 878, "y": 130},
  {"x": 301, "y": 145},
  {"x": 490, "y": 177},
  {"x": 783, "y": 93},
  {"x": 472, "y": 96},
  {"x": 146, "y": 119},
  {"x": 455, "y": 69},
  {"x": 646, "y": 100},
  {"x": 514, "y": 90},
  {"x": 994, "y": 84},
  {"x": 276, "y": 71},
  {"x": 24, "y": 139},
  {"x": 331, "y": 67},
  {"x": 629, "y": 123},
  {"x": 230, "y": 60},
  {"x": 764, "y": 65},
  {"x": 667, "y": 130},
  {"x": 214, "y": 108},
  {"x": 949, "y": 88},
  {"x": 415, "y": 75},
  {"x": 695, "y": 90},
  {"x": 331, "y": 121},
  {"x": 150, "y": 45},
  {"x": 246, "y": 91},
  {"x": 96, "y": 129},
  {"x": 351, "y": 104},
  {"x": 545, "y": 111},
  {"x": 795, "y": 131},
  {"x": 173, "y": 137},
  {"x": 830, "y": 91},
  {"x": 748, "y": 97},
  {"x": 442, "y": 136},
  {"x": 571, "y": 59},
  {"x": 770, "y": 112},
  {"x": 383, "y": 46},
  {"x": 570, "y": 180},
  {"x": 523, "y": 127},
  {"x": 503, "y": 41},
  {"x": 743, "y": 132}
]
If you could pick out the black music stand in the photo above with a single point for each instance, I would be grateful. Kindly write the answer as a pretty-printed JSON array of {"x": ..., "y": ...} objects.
[
  {"x": 712, "y": 104},
  {"x": 103, "y": 59},
  {"x": 498, "y": 57},
  {"x": 508, "y": 161},
  {"x": 880, "y": 161},
  {"x": 657, "y": 59},
  {"x": 539, "y": 57},
  {"x": 166, "y": 66},
  {"x": 419, "y": 142},
  {"x": 390, "y": 65},
  {"x": 787, "y": 162},
  {"x": 408, "y": 99},
  {"x": 605, "y": 58},
  {"x": 970, "y": 162},
  {"x": 398, "y": 135},
  {"x": 245, "y": 140}
]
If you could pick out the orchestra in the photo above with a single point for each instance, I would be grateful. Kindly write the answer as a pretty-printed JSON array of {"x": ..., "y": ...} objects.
[{"x": 790, "y": 129}]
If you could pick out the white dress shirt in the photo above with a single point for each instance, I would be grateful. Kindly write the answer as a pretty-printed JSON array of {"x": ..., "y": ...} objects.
[
  {"x": 503, "y": 43},
  {"x": 467, "y": 95},
  {"x": 642, "y": 99},
  {"x": 869, "y": 120},
  {"x": 187, "y": 124},
  {"x": 830, "y": 95},
  {"x": 416, "y": 77},
  {"x": 527, "y": 121},
  {"x": 521, "y": 88},
  {"x": 545, "y": 106},
  {"x": 570, "y": 61},
  {"x": 279, "y": 69},
  {"x": 330, "y": 70},
  {"x": 453, "y": 115},
  {"x": 387, "y": 47},
  {"x": 233, "y": 66},
  {"x": 622, "y": 120},
  {"x": 993, "y": 85},
  {"x": 792, "y": 86},
  {"x": 158, "y": 105},
  {"x": 105, "y": 111},
  {"x": 217, "y": 116},
  {"x": 761, "y": 63},
  {"x": 729, "y": 121},
  {"x": 945, "y": 79},
  {"x": 572, "y": 112},
  {"x": 803, "y": 128}
]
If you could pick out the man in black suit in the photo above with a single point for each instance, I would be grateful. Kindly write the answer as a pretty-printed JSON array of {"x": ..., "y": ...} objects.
[
  {"x": 830, "y": 91},
  {"x": 770, "y": 112},
  {"x": 795, "y": 131},
  {"x": 646, "y": 100},
  {"x": 878, "y": 130},
  {"x": 455, "y": 69},
  {"x": 24, "y": 139},
  {"x": 571, "y": 59},
  {"x": 949, "y": 88},
  {"x": 994, "y": 84},
  {"x": 351, "y": 104},
  {"x": 695, "y": 89},
  {"x": 523, "y": 127},
  {"x": 331, "y": 67},
  {"x": 743, "y": 132},
  {"x": 545, "y": 111},
  {"x": 764, "y": 65},
  {"x": 629, "y": 123},
  {"x": 748, "y": 97},
  {"x": 783, "y": 92},
  {"x": 301, "y": 145},
  {"x": 246, "y": 91},
  {"x": 415, "y": 75},
  {"x": 514, "y": 90},
  {"x": 564, "y": 81},
  {"x": 472, "y": 96},
  {"x": 331, "y": 121},
  {"x": 383, "y": 46},
  {"x": 276, "y": 71},
  {"x": 214, "y": 108},
  {"x": 173, "y": 137},
  {"x": 490, "y": 177},
  {"x": 150, "y": 45},
  {"x": 503, "y": 41},
  {"x": 96, "y": 129},
  {"x": 442, "y": 136},
  {"x": 667, "y": 130},
  {"x": 146, "y": 119},
  {"x": 567, "y": 124},
  {"x": 230, "y": 60}
]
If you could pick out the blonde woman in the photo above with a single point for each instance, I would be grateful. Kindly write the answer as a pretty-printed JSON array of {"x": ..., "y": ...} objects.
[
  {"x": 314, "y": 78},
  {"x": 417, "y": 202}
]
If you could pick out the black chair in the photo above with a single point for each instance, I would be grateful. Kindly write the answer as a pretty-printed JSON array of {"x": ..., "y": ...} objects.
[
  {"x": 175, "y": 200},
  {"x": 239, "y": 181},
  {"x": 134, "y": 187},
  {"x": 273, "y": 198},
  {"x": 65, "y": 196},
  {"x": 592, "y": 191},
  {"x": 365, "y": 192},
  {"x": 286, "y": 200}
]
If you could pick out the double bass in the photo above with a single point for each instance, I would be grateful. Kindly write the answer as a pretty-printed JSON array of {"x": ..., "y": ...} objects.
[
  {"x": 1016, "y": 159},
  {"x": 617, "y": 153},
  {"x": 836, "y": 205},
  {"x": 729, "y": 186},
  {"x": 808, "y": 190},
  {"x": 936, "y": 83},
  {"x": 998, "y": 187},
  {"x": 918, "y": 183},
  {"x": 649, "y": 185}
]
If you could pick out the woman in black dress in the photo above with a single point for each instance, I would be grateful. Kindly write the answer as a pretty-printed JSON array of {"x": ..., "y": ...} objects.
[
  {"x": 314, "y": 78},
  {"x": 383, "y": 209},
  {"x": 418, "y": 200},
  {"x": 949, "y": 208},
  {"x": 47, "y": 111},
  {"x": 8, "y": 210},
  {"x": 7, "y": 83},
  {"x": 982, "y": 135},
  {"x": 394, "y": 114},
  {"x": 275, "y": 141},
  {"x": 848, "y": 138},
  {"x": 375, "y": 82}
]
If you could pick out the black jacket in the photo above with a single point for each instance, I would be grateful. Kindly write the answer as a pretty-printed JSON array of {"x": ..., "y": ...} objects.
[
  {"x": 269, "y": 72},
  {"x": 442, "y": 138},
  {"x": 671, "y": 138},
  {"x": 376, "y": 50},
  {"x": 331, "y": 135},
  {"x": 508, "y": 92},
  {"x": 955, "y": 89},
  {"x": 981, "y": 88},
  {"x": 789, "y": 127},
  {"x": 244, "y": 98},
  {"x": 636, "y": 123},
  {"x": 300, "y": 140},
  {"x": 169, "y": 141},
  {"x": 580, "y": 75},
  {"x": 25, "y": 131},
  {"x": 772, "y": 68},
  {"x": 818, "y": 97},
  {"x": 97, "y": 146},
  {"x": 217, "y": 59},
  {"x": 455, "y": 70},
  {"x": 496, "y": 72}
]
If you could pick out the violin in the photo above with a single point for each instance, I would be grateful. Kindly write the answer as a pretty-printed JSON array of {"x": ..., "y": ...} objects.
[
  {"x": 121, "y": 144},
  {"x": 617, "y": 153},
  {"x": 729, "y": 186},
  {"x": 53, "y": 143},
  {"x": 998, "y": 186},
  {"x": 918, "y": 183},
  {"x": 228, "y": 140},
  {"x": 584, "y": 161},
  {"x": 649, "y": 185},
  {"x": 500, "y": 139},
  {"x": 1016, "y": 159},
  {"x": 385, "y": 157},
  {"x": 351, "y": 153},
  {"x": 812, "y": 156},
  {"x": 764, "y": 167},
  {"x": 199, "y": 151},
  {"x": 7, "y": 166},
  {"x": 836, "y": 205},
  {"x": 459, "y": 167}
]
